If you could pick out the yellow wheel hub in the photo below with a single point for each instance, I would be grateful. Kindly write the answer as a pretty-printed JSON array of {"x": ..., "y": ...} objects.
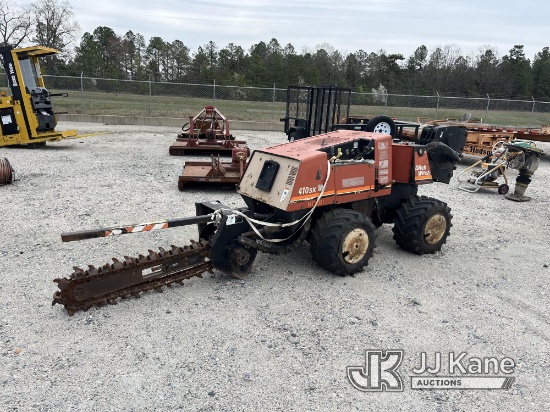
[
  {"x": 355, "y": 246},
  {"x": 435, "y": 228}
]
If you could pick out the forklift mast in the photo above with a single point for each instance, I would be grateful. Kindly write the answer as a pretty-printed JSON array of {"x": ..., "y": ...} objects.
[{"x": 27, "y": 116}]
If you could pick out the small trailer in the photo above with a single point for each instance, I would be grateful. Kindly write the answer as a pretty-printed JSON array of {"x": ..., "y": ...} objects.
[
  {"x": 311, "y": 110},
  {"x": 481, "y": 138}
]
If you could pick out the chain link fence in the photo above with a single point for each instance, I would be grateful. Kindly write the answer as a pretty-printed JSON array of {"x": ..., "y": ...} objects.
[
  {"x": 488, "y": 110},
  {"x": 163, "y": 99}
]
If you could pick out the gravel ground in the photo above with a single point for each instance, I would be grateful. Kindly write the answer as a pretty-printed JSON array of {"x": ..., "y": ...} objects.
[{"x": 279, "y": 339}]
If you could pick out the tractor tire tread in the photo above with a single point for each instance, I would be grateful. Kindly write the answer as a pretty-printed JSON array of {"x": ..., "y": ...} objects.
[
  {"x": 409, "y": 222},
  {"x": 326, "y": 238}
]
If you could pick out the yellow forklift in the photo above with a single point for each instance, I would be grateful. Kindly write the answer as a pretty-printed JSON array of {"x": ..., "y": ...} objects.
[{"x": 26, "y": 116}]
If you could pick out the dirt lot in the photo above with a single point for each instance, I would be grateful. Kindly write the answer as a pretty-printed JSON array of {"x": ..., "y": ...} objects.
[{"x": 281, "y": 338}]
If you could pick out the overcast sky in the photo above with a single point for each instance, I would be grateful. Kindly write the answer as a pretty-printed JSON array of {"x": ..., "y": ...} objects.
[{"x": 397, "y": 26}]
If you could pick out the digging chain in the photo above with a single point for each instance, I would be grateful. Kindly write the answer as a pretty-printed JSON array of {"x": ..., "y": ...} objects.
[{"x": 97, "y": 286}]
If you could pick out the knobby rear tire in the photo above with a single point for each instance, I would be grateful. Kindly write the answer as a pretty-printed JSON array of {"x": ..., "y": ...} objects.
[
  {"x": 422, "y": 225},
  {"x": 342, "y": 241}
]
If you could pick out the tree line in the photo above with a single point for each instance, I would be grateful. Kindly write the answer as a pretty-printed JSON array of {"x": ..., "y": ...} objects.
[{"x": 106, "y": 54}]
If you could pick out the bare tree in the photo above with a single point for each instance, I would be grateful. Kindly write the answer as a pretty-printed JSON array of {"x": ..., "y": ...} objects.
[
  {"x": 451, "y": 56},
  {"x": 55, "y": 27},
  {"x": 15, "y": 24},
  {"x": 451, "y": 52},
  {"x": 54, "y": 23}
]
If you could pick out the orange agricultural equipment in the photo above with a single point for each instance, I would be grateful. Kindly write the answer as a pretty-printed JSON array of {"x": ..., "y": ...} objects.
[
  {"x": 482, "y": 137},
  {"x": 214, "y": 170},
  {"x": 207, "y": 132}
]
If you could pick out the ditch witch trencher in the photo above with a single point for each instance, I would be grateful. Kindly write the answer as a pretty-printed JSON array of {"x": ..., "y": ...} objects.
[{"x": 332, "y": 190}]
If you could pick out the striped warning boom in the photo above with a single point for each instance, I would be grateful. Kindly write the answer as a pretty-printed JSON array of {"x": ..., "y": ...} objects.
[{"x": 142, "y": 227}]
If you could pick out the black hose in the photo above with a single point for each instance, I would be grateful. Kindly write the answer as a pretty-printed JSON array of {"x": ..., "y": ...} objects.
[{"x": 444, "y": 149}]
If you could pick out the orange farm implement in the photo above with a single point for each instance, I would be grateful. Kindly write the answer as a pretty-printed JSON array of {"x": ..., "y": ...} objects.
[{"x": 206, "y": 132}]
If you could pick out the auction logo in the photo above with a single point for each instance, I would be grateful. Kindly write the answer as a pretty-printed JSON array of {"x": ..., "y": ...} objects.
[{"x": 381, "y": 374}]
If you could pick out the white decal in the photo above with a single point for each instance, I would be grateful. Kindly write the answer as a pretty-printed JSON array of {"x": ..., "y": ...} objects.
[
  {"x": 353, "y": 181},
  {"x": 422, "y": 170},
  {"x": 283, "y": 196}
]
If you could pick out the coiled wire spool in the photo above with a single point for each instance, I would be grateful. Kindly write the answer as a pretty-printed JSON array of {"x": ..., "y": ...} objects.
[{"x": 6, "y": 172}]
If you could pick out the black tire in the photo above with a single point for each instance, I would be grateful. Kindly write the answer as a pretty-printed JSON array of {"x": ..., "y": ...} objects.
[
  {"x": 422, "y": 225},
  {"x": 292, "y": 137},
  {"x": 241, "y": 258},
  {"x": 381, "y": 124},
  {"x": 342, "y": 241},
  {"x": 503, "y": 189}
]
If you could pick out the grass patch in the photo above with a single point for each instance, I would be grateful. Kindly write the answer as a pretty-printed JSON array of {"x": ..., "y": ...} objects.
[{"x": 124, "y": 104}]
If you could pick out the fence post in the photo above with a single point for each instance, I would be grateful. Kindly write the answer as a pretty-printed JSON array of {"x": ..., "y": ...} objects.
[
  {"x": 437, "y": 105},
  {"x": 273, "y": 106},
  {"x": 385, "y": 102},
  {"x": 214, "y": 93},
  {"x": 150, "y": 95},
  {"x": 82, "y": 90},
  {"x": 533, "y": 109},
  {"x": 488, "y": 102}
]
